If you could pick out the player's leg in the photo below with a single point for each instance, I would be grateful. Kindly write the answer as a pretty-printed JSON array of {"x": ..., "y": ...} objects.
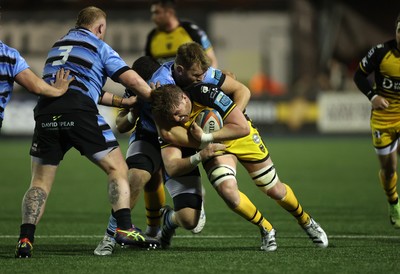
[
  {"x": 254, "y": 156},
  {"x": 388, "y": 179},
  {"x": 115, "y": 167},
  {"x": 143, "y": 160},
  {"x": 266, "y": 178},
  {"x": 186, "y": 195},
  {"x": 222, "y": 175},
  {"x": 154, "y": 198},
  {"x": 93, "y": 137},
  {"x": 385, "y": 139},
  {"x": 202, "y": 218},
  {"x": 33, "y": 205},
  {"x": 46, "y": 153},
  {"x": 137, "y": 179}
]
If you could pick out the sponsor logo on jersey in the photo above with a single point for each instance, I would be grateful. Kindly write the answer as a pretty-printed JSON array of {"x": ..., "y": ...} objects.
[
  {"x": 223, "y": 100},
  {"x": 62, "y": 124},
  {"x": 216, "y": 74},
  {"x": 391, "y": 84},
  {"x": 256, "y": 138}
]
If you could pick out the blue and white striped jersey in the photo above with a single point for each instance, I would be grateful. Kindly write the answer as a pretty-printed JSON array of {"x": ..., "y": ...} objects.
[
  {"x": 90, "y": 60},
  {"x": 11, "y": 63}
]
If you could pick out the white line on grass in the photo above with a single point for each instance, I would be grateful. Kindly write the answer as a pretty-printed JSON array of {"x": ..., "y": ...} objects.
[{"x": 215, "y": 236}]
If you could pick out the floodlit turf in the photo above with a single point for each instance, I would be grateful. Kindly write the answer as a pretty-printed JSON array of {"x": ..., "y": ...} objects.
[{"x": 335, "y": 180}]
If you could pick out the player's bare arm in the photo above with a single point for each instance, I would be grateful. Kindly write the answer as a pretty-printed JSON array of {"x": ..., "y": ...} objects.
[
  {"x": 239, "y": 93},
  {"x": 112, "y": 100},
  {"x": 235, "y": 126},
  {"x": 34, "y": 84},
  {"x": 131, "y": 80},
  {"x": 175, "y": 165}
]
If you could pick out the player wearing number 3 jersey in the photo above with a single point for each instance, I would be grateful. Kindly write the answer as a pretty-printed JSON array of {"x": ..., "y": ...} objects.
[{"x": 72, "y": 120}]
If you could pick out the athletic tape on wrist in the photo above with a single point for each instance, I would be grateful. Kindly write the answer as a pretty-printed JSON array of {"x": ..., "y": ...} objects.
[{"x": 195, "y": 159}]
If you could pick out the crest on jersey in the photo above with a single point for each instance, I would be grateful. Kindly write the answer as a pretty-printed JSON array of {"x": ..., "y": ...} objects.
[{"x": 204, "y": 89}]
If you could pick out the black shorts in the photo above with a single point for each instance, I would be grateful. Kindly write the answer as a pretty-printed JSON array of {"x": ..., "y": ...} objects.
[
  {"x": 55, "y": 134},
  {"x": 144, "y": 151}
]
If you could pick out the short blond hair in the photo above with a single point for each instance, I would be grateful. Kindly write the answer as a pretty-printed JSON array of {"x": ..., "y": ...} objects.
[
  {"x": 88, "y": 16},
  {"x": 192, "y": 53}
]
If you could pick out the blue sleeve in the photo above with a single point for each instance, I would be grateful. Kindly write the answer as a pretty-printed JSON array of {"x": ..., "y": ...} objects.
[{"x": 214, "y": 76}]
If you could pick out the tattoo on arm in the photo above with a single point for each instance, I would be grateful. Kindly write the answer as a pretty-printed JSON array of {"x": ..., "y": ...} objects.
[
  {"x": 113, "y": 192},
  {"x": 33, "y": 204}
]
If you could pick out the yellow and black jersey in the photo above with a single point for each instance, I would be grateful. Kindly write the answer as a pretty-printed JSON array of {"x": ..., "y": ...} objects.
[
  {"x": 384, "y": 61},
  {"x": 205, "y": 96},
  {"x": 250, "y": 148},
  {"x": 163, "y": 46}
]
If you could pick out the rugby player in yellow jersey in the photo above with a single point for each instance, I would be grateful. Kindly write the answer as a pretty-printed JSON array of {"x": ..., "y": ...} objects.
[
  {"x": 171, "y": 107},
  {"x": 170, "y": 32},
  {"x": 384, "y": 61},
  {"x": 162, "y": 44}
]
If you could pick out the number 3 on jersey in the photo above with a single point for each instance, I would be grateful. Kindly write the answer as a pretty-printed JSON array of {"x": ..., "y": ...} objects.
[{"x": 65, "y": 50}]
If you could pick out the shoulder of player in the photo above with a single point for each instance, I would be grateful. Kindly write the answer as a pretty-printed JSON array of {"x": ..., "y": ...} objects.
[
  {"x": 7, "y": 51},
  {"x": 163, "y": 75},
  {"x": 189, "y": 25},
  {"x": 151, "y": 33},
  {"x": 379, "y": 51},
  {"x": 201, "y": 91},
  {"x": 384, "y": 47}
]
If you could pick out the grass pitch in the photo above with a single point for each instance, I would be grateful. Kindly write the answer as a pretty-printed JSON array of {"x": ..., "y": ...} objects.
[{"x": 335, "y": 180}]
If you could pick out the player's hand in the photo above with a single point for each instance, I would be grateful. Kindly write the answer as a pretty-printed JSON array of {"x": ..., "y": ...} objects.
[
  {"x": 212, "y": 150},
  {"x": 196, "y": 131},
  {"x": 62, "y": 82},
  {"x": 379, "y": 103},
  {"x": 154, "y": 85},
  {"x": 131, "y": 101}
]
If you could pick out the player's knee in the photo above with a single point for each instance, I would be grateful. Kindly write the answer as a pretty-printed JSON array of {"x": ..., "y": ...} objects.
[
  {"x": 189, "y": 223},
  {"x": 187, "y": 217},
  {"x": 229, "y": 192},
  {"x": 138, "y": 178},
  {"x": 278, "y": 191},
  {"x": 266, "y": 178}
]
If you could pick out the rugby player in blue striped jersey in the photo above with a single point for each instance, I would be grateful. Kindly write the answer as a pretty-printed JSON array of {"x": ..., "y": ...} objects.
[
  {"x": 14, "y": 68},
  {"x": 73, "y": 120}
]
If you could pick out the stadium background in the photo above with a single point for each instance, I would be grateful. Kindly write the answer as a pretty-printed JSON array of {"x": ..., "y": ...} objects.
[
  {"x": 298, "y": 57},
  {"x": 334, "y": 177}
]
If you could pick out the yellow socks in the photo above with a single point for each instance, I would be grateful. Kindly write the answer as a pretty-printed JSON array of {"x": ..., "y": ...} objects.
[
  {"x": 292, "y": 205},
  {"x": 248, "y": 210},
  {"x": 390, "y": 187},
  {"x": 154, "y": 201}
]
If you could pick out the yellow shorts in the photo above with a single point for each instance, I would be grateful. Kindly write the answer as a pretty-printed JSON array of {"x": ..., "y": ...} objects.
[
  {"x": 385, "y": 134},
  {"x": 250, "y": 148}
]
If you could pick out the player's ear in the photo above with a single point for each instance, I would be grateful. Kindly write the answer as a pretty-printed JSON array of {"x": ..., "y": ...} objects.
[
  {"x": 185, "y": 97},
  {"x": 101, "y": 29},
  {"x": 179, "y": 69}
]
